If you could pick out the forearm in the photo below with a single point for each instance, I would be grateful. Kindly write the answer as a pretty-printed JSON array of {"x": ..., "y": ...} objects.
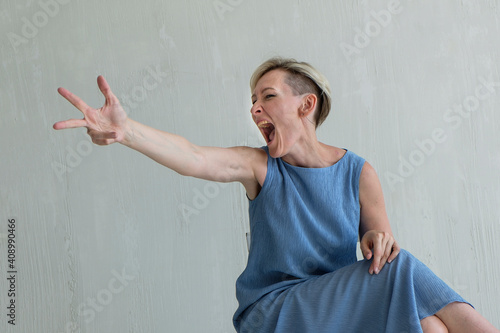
[
  {"x": 170, "y": 150},
  {"x": 110, "y": 124}
]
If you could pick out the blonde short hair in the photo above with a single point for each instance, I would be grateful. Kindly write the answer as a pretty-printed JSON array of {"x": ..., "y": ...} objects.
[{"x": 302, "y": 78}]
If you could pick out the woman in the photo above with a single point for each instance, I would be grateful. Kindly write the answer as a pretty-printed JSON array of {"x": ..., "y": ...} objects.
[{"x": 308, "y": 202}]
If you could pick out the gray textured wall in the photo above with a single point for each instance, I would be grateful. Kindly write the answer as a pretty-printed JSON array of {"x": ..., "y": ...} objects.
[{"x": 108, "y": 241}]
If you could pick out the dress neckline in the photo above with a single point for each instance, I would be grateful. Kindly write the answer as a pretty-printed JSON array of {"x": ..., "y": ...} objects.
[{"x": 288, "y": 165}]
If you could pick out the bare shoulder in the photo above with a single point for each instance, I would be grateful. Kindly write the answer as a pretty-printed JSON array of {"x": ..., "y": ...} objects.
[
  {"x": 368, "y": 171},
  {"x": 255, "y": 157},
  {"x": 334, "y": 154},
  {"x": 368, "y": 177},
  {"x": 370, "y": 189}
]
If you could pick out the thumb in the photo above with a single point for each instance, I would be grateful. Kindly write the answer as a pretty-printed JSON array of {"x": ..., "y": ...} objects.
[{"x": 365, "y": 249}]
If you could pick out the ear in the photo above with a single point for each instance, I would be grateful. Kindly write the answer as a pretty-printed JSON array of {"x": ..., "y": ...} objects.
[{"x": 309, "y": 102}]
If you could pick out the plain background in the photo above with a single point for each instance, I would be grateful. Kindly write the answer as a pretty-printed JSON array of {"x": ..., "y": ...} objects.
[{"x": 109, "y": 241}]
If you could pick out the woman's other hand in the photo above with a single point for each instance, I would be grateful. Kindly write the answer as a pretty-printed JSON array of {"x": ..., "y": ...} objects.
[{"x": 379, "y": 246}]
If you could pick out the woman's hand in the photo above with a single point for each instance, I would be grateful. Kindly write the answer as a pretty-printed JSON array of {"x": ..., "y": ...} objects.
[
  {"x": 381, "y": 246},
  {"x": 105, "y": 125}
]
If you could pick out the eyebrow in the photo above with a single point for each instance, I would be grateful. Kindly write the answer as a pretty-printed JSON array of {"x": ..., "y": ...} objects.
[{"x": 253, "y": 96}]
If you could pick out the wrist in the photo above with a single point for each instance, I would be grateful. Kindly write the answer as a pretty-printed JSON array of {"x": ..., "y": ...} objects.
[{"x": 129, "y": 133}]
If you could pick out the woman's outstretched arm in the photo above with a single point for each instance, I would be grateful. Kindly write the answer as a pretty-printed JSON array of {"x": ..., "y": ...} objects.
[{"x": 110, "y": 124}]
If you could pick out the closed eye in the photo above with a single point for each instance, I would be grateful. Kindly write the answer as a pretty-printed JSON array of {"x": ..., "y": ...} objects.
[{"x": 266, "y": 97}]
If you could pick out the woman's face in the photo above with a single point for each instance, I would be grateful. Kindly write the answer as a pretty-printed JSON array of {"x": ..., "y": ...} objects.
[{"x": 276, "y": 110}]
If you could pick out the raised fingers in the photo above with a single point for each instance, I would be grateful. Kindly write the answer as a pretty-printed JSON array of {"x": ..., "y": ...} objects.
[
  {"x": 71, "y": 123},
  {"x": 106, "y": 90},
  {"x": 73, "y": 99}
]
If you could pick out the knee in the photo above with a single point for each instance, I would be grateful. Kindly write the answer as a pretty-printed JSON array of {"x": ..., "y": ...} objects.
[
  {"x": 433, "y": 324},
  {"x": 405, "y": 256},
  {"x": 405, "y": 262}
]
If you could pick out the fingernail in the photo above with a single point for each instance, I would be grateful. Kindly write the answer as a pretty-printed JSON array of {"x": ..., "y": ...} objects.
[{"x": 376, "y": 270}]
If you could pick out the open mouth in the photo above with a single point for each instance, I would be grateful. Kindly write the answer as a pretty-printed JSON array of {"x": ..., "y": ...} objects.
[{"x": 267, "y": 130}]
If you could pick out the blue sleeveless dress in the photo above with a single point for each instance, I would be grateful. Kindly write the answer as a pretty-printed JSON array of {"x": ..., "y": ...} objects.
[{"x": 302, "y": 273}]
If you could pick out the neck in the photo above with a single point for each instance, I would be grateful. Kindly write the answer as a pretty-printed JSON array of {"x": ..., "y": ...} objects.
[{"x": 308, "y": 152}]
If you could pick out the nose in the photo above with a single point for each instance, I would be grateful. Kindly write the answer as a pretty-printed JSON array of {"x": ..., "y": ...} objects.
[{"x": 256, "y": 109}]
